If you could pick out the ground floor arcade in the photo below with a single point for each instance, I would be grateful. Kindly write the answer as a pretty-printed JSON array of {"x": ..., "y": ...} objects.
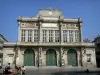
[{"x": 50, "y": 56}]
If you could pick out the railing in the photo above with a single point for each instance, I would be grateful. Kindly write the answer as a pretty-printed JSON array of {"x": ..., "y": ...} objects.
[
  {"x": 9, "y": 43},
  {"x": 88, "y": 44}
]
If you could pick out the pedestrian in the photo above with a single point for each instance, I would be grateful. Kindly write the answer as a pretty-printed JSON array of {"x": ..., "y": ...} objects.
[
  {"x": 23, "y": 70},
  {"x": 0, "y": 65}
]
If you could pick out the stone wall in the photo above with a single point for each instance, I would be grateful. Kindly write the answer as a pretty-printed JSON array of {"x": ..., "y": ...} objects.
[
  {"x": 82, "y": 56},
  {"x": 88, "y": 57}
]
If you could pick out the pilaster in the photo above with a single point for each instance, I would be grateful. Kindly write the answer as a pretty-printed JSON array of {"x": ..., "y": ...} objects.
[
  {"x": 62, "y": 55},
  {"x": 78, "y": 58},
  {"x": 26, "y": 37},
  {"x": 18, "y": 58},
  {"x": 47, "y": 35},
  {"x": 32, "y": 35},
  {"x": 68, "y": 36},
  {"x": 74, "y": 36},
  {"x": 40, "y": 56},
  {"x": 40, "y": 32},
  {"x": 19, "y": 32},
  {"x": 80, "y": 31},
  {"x": 53, "y": 35},
  {"x": 60, "y": 32},
  {"x": 94, "y": 55}
]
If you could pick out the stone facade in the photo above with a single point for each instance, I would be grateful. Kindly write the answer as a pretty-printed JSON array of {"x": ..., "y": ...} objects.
[{"x": 50, "y": 30}]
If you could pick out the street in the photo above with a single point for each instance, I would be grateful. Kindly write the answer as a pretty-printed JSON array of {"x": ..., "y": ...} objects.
[{"x": 59, "y": 71}]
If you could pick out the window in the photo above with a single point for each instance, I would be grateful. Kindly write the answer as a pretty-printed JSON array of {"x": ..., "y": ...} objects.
[
  {"x": 88, "y": 57},
  {"x": 23, "y": 35},
  {"x": 57, "y": 36},
  {"x": 44, "y": 35},
  {"x": 65, "y": 35},
  {"x": 50, "y": 35},
  {"x": 29, "y": 35},
  {"x": 70, "y": 36},
  {"x": 35, "y": 35},
  {"x": 76, "y": 36}
]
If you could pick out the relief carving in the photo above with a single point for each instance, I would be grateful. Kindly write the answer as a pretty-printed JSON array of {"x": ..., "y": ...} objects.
[
  {"x": 69, "y": 25},
  {"x": 28, "y": 25}
]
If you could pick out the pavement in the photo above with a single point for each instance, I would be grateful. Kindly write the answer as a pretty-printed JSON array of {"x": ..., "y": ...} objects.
[
  {"x": 61, "y": 69},
  {"x": 54, "y": 69}
]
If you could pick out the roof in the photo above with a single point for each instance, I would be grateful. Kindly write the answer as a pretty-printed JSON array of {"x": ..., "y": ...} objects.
[
  {"x": 2, "y": 39},
  {"x": 52, "y": 14}
]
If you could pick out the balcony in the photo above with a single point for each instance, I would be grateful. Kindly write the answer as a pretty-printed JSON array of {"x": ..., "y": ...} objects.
[{"x": 49, "y": 44}]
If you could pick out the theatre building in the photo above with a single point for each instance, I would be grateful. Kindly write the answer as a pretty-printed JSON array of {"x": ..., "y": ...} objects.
[{"x": 49, "y": 39}]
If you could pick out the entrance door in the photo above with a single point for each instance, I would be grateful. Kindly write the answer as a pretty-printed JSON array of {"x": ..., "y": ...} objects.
[
  {"x": 29, "y": 57},
  {"x": 51, "y": 57},
  {"x": 72, "y": 57}
]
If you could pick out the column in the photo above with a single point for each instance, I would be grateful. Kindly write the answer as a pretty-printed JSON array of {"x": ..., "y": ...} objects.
[
  {"x": 68, "y": 35},
  {"x": 40, "y": 56},
  {"x": 74, "y": 36},
  {"x": 32, "y": 35},
  {"x": 53, "y": 35},
  {"x": 47, "y": 35}
]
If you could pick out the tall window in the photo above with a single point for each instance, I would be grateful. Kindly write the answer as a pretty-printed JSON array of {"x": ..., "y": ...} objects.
[
  {"x": 29, "y": 35},
  {"x": 76, "y": 36},
  {"x": 44, "y": 35},
  {"x": 23, "y": 35},
  {"x": 65, "y": 35},
  {"x": 50, "y": 35},
  {"x": 70, "y": 36},
  {"x": 35, "y": 35},
  {"x": 57, "y": 38}
]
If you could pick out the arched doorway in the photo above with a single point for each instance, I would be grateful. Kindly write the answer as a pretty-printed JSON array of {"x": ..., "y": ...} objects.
[
  {"x": 29, "y": 57},
  {"x": 72, "y": 57},
  {"x": 51, "y": 59}
]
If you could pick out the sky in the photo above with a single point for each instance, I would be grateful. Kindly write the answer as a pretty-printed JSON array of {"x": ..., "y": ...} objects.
[{"x": 88, "y": 10}]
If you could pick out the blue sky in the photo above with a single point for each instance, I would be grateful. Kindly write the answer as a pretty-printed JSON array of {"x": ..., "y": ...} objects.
[{"x": 88, "y": 10}]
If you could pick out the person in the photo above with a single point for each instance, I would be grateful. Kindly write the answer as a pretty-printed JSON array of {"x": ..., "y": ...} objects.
[
  {"x": 23, "y": 70},
  {"x": 0, "y": 65},
  {"x": 7, "y": 68},
  {"x": 16, "y": 68}
]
